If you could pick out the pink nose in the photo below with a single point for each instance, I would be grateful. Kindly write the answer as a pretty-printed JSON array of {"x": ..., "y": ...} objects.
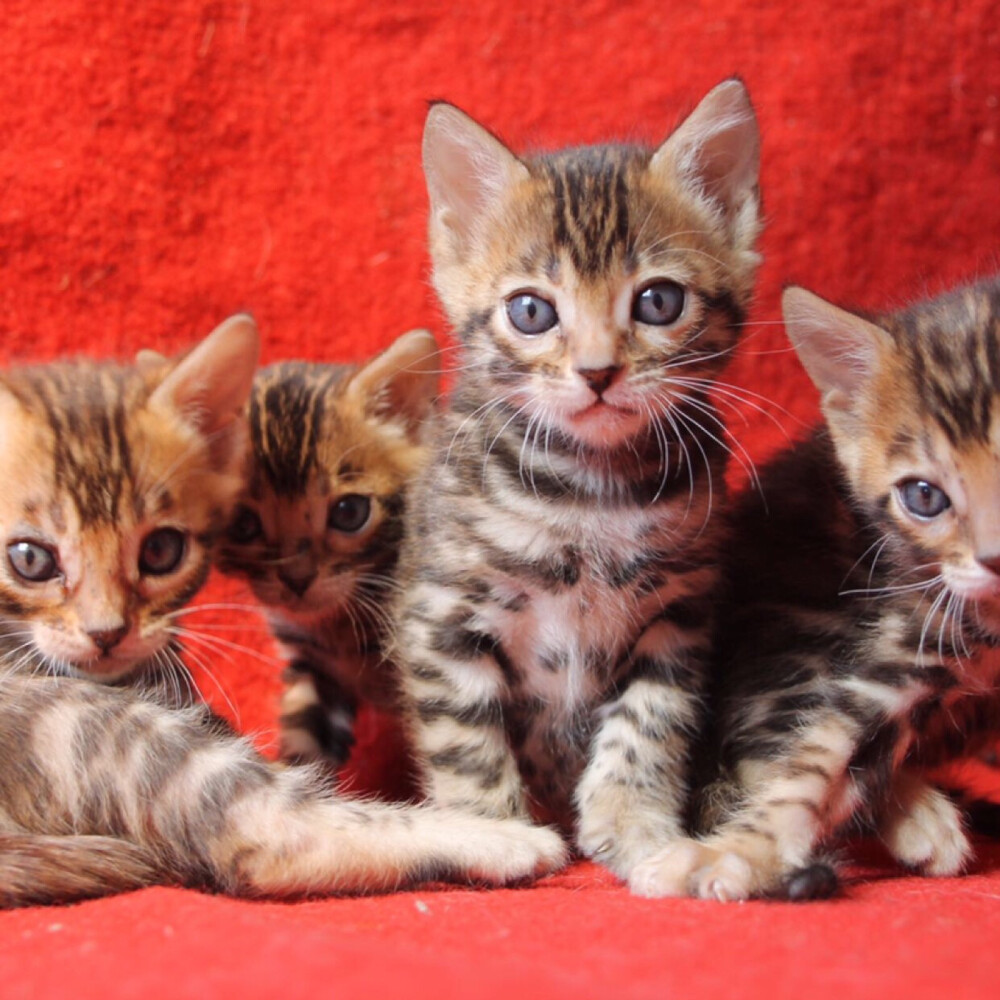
[{"x": 598, "y": 379}]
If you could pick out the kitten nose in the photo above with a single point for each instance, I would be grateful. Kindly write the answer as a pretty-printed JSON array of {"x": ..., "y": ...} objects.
[
  {"x": 297, "y": 583},
  {"x": 992, "y": 563},
  {"x": 599, "y": 378},
  {"x": 105, "y": 639}
]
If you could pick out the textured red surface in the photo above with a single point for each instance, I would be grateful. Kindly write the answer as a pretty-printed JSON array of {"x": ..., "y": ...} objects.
[{"x": 163, "y": 164}]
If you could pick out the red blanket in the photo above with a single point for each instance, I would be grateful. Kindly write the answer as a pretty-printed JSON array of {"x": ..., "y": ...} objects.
[{"x": 164, "y": 164}]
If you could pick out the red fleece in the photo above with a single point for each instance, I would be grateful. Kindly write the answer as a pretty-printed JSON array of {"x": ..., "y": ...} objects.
[{"x": 167, "y": 163}]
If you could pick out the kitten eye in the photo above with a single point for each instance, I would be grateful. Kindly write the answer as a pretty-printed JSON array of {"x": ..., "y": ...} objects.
[
  {"x": 531, "y": 314},
  {"x": 660, "y": 304},
  {"x": 32, "y": 562},
  {"x": 350, "y": 513},
  {"x": 245, "y": 526},
  {"x": 922, "y": 499},
  {"x": 162, "y": 551}
]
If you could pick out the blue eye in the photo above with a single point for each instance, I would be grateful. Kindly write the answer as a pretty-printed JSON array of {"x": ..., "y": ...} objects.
[
  {"x": 922, "y": 499},
  {"x": 531, "y": 314},
  {"x": 659, "y": 304},
  {"x": 32, "y": 562}
]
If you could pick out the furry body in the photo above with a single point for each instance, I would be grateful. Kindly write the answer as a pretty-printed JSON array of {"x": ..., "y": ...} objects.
[
  {"x": 559, "y": 562},
  {"x": 116, "y": 482},
  {"x": 861, "y": 640}
]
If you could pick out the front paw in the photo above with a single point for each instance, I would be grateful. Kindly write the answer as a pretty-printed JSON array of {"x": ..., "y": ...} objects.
[
  {"x": 927, "y": 833},
  {"x": 616, "y": 832},
  {"x": 691, "y": 868},
  {"x": 509, "y": 850}
]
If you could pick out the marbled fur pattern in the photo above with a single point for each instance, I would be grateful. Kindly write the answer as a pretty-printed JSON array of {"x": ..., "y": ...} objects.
[
  {"x": 559, "y": 563},
  {"x": 861, "y": 642}
]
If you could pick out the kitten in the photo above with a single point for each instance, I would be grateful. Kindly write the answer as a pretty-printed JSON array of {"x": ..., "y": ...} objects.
[
  {"x": 316, "y": 532},
  {"x": 861, "y": 640},
  {"x": 116, "y": 482},
  {"x": 560, "y": 558}
]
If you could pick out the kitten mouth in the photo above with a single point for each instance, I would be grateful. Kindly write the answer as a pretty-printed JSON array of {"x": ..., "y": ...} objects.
[{"x": 600, "y": 407}]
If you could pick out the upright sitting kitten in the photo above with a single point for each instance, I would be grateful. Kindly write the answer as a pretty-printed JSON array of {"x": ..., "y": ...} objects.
[
  {"x": 318, "y": 526},
  {"x": 560, "y": 559},
  {"x": 115, "y": 483},
  {"x": 862, "y": 638}
]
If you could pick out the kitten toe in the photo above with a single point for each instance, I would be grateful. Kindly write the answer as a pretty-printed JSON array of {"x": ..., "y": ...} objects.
[
  {"x": 669, "y": 872},
  {"x": 511, "y": 850},
  {"x": 728, "y": 879}
]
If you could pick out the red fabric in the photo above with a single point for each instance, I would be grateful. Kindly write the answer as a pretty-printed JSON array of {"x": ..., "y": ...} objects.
[{"x": 164, "y": 164}]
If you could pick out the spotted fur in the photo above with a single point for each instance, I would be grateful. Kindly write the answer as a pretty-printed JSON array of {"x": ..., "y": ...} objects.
[
  {"x": 317, "y": 529},
  {"x": 560, "y": 558},
  {"x": 103, "y": 787},
  {"x": 862, "y": 639}
]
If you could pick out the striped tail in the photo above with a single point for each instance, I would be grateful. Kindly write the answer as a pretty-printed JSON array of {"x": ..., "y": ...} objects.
[{"x": 46, "y": 869}]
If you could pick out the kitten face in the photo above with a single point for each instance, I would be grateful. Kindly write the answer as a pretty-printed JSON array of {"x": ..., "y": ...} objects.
[
  {"x": 913, "y": 405},
  {"x": 333, "y": 447},
  {"x": 115, "y": 482},
  {"x": 595, "y": 286}
]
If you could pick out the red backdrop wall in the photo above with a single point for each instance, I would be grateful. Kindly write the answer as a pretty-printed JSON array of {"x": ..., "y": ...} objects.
[{"x": 164, "y": 164}]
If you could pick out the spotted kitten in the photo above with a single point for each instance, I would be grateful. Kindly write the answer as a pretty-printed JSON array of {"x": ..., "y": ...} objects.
[
  {"x": 862, "y": 639},
  {"x": 559, "y": 565},
  {"x": 317, "y": 529},
  {"x": 115, "y": 483}
]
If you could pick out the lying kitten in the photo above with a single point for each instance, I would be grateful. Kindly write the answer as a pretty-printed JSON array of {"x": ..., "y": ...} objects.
[
  {"x": 317, "y": 529},
  {"x": 559, "y": 565},
  {"x": 861, "y": 639},
  {"x": 116, "y": 483}
]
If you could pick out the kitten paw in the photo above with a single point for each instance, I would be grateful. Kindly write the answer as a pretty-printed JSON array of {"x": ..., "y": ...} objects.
[
  {"x": 619, "y": 833},
  {"x": 926, "y": 832},
  {"x": 690, "y": 868},
  {"x": 509, "y": 850}
]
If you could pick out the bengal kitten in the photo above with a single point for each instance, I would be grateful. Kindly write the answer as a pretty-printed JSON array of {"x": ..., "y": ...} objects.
[
  {"x": 861, "y": 639},
  {"x": 117, "y": 480},
  {"x": 316, "y": 532},
  {"x": 559, "y": 565}
]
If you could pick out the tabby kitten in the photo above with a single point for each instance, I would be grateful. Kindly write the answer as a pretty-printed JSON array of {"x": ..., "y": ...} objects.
[
  {"x": 316, "y": 532},
  {"x": 116, "y": 481},
  {"x": 560, "y": 558},
  {"x": 862, "y": 638}
]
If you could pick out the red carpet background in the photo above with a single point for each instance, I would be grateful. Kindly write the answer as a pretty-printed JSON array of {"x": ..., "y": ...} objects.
[{"x": 164, "y": 164}]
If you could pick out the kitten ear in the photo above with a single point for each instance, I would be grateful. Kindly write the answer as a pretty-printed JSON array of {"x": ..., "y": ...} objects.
[
  {"x": 210, "y": 385},
  {"x": 715, "y": 152},
  {"x": 840, "y": 351},
  {"x": 467, "y": 170},
  {"x": 401, "y": 382}
]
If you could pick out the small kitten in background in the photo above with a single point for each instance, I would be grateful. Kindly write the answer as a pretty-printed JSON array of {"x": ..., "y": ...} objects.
[
  {"x": 115, "y": 483},
  {"x": 861, "y": 639},
  {"x": 317, "y": 530},
  {"x": 559, "y": 565}
]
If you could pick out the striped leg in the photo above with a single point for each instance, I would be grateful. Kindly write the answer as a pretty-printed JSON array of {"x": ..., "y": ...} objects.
[
  {"x": 632, "y": 795},
  {"x": 455, "y": 690},
  {"x": 791, "y": 803}
]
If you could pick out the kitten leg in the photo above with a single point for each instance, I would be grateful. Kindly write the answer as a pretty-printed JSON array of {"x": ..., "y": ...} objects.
[
  {"x": 923, "y": 828},
  {"x": 632, "y": 795},
  {"x": 454, "y": 687},
  {"x": 317, "y": 718},
  {"x": 790, "y": 804},
  {"x": 210, "y": 810}
]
